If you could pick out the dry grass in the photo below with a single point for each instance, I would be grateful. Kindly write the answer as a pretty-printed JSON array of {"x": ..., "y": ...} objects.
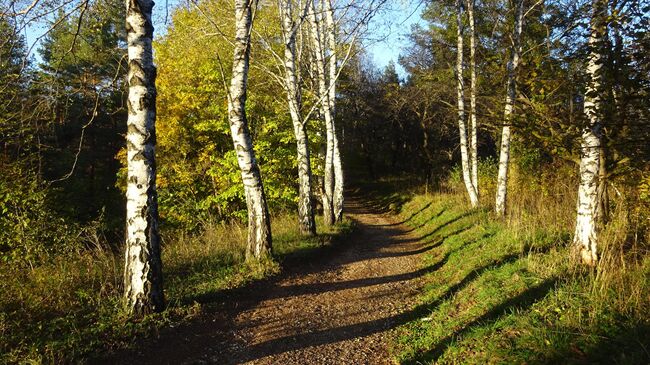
[{"x": 70, "y": 307}]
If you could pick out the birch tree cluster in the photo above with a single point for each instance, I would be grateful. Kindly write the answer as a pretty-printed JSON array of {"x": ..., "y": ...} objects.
[
  {"x": 230, "y": 114},
  {"x": 239, "y": 110},
  {"x": 541, "y": 94}
]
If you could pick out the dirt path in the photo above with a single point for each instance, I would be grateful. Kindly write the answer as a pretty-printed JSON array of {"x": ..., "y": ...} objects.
[{"x": 338, "y": 309}]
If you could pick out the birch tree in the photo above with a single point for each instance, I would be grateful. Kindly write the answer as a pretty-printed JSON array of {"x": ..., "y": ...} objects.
[
  {"x": 462, "y": 126},
  {"x": 585, "y": 239},
  {"x": 318, "y": 43},
  {"x": 290, "y": 29},
  {"x": 337, "y": 165},
  {"x": 259, "y": 224},
  {"x": 143, "y": 287},
  {"x": 511, "y": 93},
  {"x": 473, "y": 125}
]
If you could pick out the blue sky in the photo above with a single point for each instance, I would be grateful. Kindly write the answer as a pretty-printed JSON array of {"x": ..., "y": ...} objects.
[
  {"x": 385, "y": 40},
  {"x": 389, "y": 32}
]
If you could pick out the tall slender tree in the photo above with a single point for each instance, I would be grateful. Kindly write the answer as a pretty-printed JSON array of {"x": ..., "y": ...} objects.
[
  {"x": 585, "y": 239},
  {"x": 460, "y": 90},
  {"x": 259, "y": 222},
  {"x": 473, "y": 124},
  {"x": 143, "y": 284},
  {"x": 290, "y": 29},
  {"x": 511, "y": 93},
  {"x": 319, "y": 43},
  {"x": 337, "y": 164}
]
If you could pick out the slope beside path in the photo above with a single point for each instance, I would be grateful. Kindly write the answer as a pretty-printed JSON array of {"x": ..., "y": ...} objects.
[{"x": 334, "y": 309}]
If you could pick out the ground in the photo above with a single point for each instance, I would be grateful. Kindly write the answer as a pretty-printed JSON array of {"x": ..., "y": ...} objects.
[{"x": 339, "y": 308}]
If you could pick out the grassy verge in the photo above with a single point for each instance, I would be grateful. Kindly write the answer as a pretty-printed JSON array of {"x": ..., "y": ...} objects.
[
  {"x": 506, "y": 292},
  {"x": 70, "y": 308}
]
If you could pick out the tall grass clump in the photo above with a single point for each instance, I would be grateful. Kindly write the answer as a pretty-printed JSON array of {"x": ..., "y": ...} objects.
[{"x": 68, "y": 307}]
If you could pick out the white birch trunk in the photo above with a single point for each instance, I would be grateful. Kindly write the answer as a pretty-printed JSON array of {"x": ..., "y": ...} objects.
[
  {"x": 511, "y": 93},
  {"x": 143, "y": 287},
  {"x": 330, "y": 34},
  {"x": 462, "y": 127},
  {"x": 306, "y": 220},
  {"x": 585, "y": 239},
  {"x": 328, "y": 188},
  {"x": 259, "y": 223},
  {"x": 473, "y": 143}
]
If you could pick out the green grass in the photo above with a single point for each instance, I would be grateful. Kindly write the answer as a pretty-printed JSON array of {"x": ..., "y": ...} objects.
[
  {"x": 70, "y": 309},
  {"x": 498, "y": 293}
]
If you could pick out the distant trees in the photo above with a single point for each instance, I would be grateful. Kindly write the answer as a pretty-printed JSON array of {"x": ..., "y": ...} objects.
[
  {"x": 549, "y": 97},
  {"x": 61, "y": 128}
]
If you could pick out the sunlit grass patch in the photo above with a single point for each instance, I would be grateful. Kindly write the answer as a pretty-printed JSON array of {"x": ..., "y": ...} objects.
[{"x": 504, "y": 292}]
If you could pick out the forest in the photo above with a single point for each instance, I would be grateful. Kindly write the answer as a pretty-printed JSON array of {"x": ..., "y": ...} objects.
[{"x": 238, "y": 181}]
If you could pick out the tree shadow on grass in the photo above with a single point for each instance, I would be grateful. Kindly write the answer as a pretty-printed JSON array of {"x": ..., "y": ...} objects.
[
  {"x": 626, "y": 345},
  {"x": 521, "y": 301},
  {"x": 450, "y": 222},
  {"x": 413, "y": 215},
  {"x": 428, "y": 220},
  {"x": 214, "y": 337},
  {"x": 359, "y": 330},
  {"x": 321, "y": 287}
]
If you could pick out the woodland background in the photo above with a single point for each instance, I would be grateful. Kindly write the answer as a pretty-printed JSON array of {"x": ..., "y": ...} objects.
[{"x": 62, "y": 127}]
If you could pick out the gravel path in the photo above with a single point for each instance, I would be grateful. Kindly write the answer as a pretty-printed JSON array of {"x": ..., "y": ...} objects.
[{"x": 335, "y": 309}]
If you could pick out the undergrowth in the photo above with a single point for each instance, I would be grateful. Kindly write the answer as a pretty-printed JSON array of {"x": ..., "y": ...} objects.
[
  {"x": 507, "y": 292},
  {"x": 70, "y": 308}
]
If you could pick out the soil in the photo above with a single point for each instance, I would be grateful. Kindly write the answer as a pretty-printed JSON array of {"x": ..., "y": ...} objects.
[{"x": 338, "y": 307}]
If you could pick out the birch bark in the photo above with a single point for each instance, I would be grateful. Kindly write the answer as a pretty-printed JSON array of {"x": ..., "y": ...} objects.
[
  {"x": 511, "y": 93},
  {"x": 462, "y": 127},
  {"x": 473, "y": 143},
  {"x": 330, "y": 34},
  {"x": 259, "y": 224},
  {"x": 585, "y": 239},
  {"x": 306, "y": 220},
  {"x": 143, "y": 285},
  {"x": 319, "y": 51}
]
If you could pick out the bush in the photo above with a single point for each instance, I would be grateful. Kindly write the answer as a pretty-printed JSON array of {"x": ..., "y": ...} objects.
[{"x": 29, "y": 230}]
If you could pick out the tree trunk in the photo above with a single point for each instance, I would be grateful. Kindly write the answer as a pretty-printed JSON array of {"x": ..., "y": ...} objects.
[
  {"x": 473, "y": 144},
  {"x": 328, "y": 189},
  {"x": 259, "y": 223},
  {"x": 143, "y": 284},
  {"x": 306, "y": 220},
  {"x": 511, "y": 93},
  {"x": 602, "y": 215},
  {"x": 462, "y": 127},
  {"x": 585, "y": 240},
  {"x": 330, "y": 34}
]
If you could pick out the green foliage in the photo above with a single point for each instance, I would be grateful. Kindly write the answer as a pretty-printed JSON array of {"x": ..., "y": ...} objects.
[
  {"x": 80, "y": 84},
  {"x": 199, "y": 178},
  {"x": 29, "y": 232}
]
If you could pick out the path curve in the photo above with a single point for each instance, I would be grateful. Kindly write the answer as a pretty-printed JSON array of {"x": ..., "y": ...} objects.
[{"x": 335, "y": 309}]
